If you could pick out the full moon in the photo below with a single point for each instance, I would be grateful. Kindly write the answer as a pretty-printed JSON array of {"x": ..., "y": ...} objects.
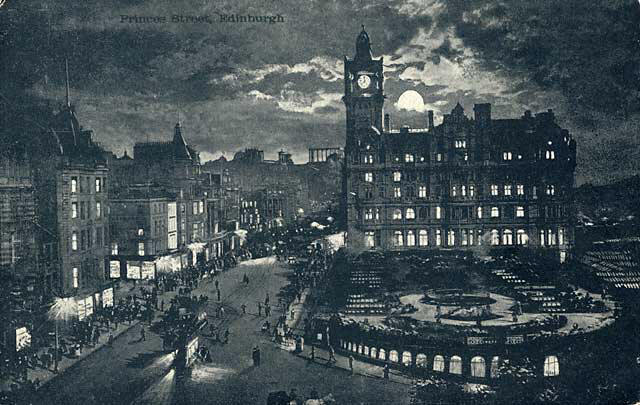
[{"x": 411, "y": 100}]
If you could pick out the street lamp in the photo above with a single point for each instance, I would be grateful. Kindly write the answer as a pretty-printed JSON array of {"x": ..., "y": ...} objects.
[{"x": 62, "y": 309}]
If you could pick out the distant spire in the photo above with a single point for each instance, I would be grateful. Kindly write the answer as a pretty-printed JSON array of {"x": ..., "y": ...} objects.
[{"x": 66, "y": 68}]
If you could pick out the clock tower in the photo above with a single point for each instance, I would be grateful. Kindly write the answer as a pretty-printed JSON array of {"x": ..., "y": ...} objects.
[{"x": 363, "y": 96}]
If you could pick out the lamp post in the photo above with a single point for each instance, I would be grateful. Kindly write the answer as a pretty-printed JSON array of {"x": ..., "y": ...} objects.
[{"x": 62, "y": 309}]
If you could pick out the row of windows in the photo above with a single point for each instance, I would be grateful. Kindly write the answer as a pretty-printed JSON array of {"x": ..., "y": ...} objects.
[
  {"x": 86, "y": 213},
  {"x": 478, "y": 366},
  {"x": 371, "y": 214},
  {"x": 411, "y": 158},
  {"x": 465, "y": 237},
  {"x": 87, "y": 239},
  {"x": 83, "y": 184},
  {"x": 456, "y": 190}
]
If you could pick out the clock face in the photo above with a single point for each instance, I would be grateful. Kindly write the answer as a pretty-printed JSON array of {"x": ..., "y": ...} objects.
[{"x": 364, "y": 81}]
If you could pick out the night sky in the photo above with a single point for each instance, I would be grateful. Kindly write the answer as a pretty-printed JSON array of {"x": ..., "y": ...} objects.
[{"x": 273, "y": 86}]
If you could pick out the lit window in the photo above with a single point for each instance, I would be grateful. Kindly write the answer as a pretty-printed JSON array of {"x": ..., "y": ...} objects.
[
  {"x": 550, "y": 155},
  {"x": 411, "y": 213},
  {"x": 408, "y": 158},
  {"x": 438, "y": 237},
  {"x": 507, "y": 189},
  {"x": 551, "y": 366},
  {"x": 368, "y": 214},
  {"x": 479, "y": 212},
  {"x": 438, "y": 364},
  {"x": 455, "y": 365},
  {"x": 411, "y": 238},
  {"x": 98, "y": 209},
  {"x": 397, "y": 176},
  {"x": 397, "y": 213},
  {"x": 398, "y": 239},
  {"x": 140, "y": 248},
  {"x": 494, "y": 189},
  {"x": 551, "y": 189},
  {"x": 507, "y": 237},
  {"x": 368, "y": 159},
  {"x": 423, "y": 239},
  {"x": 377, "y": 214},
  {"x": 74, "y": 210},
  {"x": 542, "y": 241},
  {"x": 460, "y": 143},
  {"x": 551, "y": 237},
  {"x": 438, "y": 212},
  {"x": 454, "y": 191},
  {"x": 464, "y": 240},
  {"x": 370, "y": 239},
  {"x": 74, "y": 275},
  {"x": 478, "y": 367},
  {"x": 472, "y": 190},
  {"x": 140, "y": 232},
  {"x": 520, "y": 189},
  {"x": 451, "y": 238},
  {"x": 74, "y": 184},
  {"x": 114, "y": 248},
  {"x": 521, "y": 237},
  {"x": 507, "y": 156},
  {"x": 74, "y": 241},
  {"x": 463, "y": 191},
  {"x": 422, "y": 191},
  {"x": 495, "y": 237},
  {"x": 97, "y": 185},
  {"x": 495, "y": 212},
  {"x": 439, "y": 157},
  {"x": 396, "y": 192},
  {"x": 368, "y": 177},
  {"x": 519, "y": 211},
  {"x": 201, "y": 206},
  {"x": 466, "y": 156},
  {"x": 560, "y": 236},
  {"x": 194, "y": 210}
]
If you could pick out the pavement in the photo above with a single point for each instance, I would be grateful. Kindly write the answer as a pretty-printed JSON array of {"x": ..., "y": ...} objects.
[{"x": 139, "y": 372}]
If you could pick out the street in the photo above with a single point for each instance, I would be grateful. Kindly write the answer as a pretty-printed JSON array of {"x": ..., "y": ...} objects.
[{"x": 134, "y": 371}]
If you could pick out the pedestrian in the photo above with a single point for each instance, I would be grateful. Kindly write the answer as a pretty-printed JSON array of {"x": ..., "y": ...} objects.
[
  {"x": 110, "y": 340},
  {"x": 385, "y": 371},
  {"x": 351, "y": 363},
  {"x": 222, "y": 312},
  {"x": 266, "y": 299},
  {"x": 218, "y": 292},
  {"x": 161, "y": 305},
  {"x": 332, "y": 354},
  {"x": 256, "y": 356},
  {"x": 244, "y": 309},
  {"x": 226, "y": 336},
  {"x": 313, "y": 353},
  {"x": 293, "y": 313},
  {"x": 259, "y": 309},
  {"x": 267, "y": 310},
  {"x": 143, "y": 335},
  {"x": 217, "y": 283}
]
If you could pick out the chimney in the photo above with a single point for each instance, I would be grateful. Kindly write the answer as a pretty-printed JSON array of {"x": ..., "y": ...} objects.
[
  {"x": 430, "y": 115},
  {"x": 387, "y": 123},
  {"x": 482, "y": 114}
]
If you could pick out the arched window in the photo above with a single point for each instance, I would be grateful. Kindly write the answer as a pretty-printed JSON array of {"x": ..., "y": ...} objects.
[
  {"x": 495, "y": 212},
  {"x": 551, "y": 366},
  {"x": 398, "y": 239},
  {"x": 421, "y": 360},
  {"x": 366, "y": 351},
  {"x": 521, "y": 237},
  {"x": 423, "y": 237},
  {"x": 438, "y": 363},
  {"x": 495, "y": 238},
  {"x": 373, "y": 353},
  {"x": 393, "y": 356},
  {"x": 477, "y": 367},
  {"x": 424, "y": 213},
  {"x": 382, "y": 354},
  {"x": 397, "y": 213},
  {"x": 507, "y": 237},
  {"x": 406, "y": 358},
  {"x": 411, "y": 238},
  {"x": 451, "y": 238},
  {"x": 495, "y": 366},
  {"x": 455, "y": 365},
  {"x": 411, "y": 213}
]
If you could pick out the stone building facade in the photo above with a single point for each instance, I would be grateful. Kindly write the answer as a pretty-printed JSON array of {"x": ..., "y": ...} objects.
[{"x": 464, "y": 183}]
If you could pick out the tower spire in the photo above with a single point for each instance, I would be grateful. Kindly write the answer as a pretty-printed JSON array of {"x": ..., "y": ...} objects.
[{"x": 66, "y": 69}]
